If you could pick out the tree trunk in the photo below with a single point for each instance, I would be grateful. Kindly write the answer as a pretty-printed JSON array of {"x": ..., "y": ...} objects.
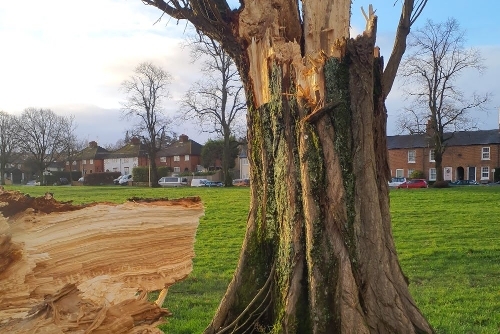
[
  {"x": 318, "y": 255},
  {"x": 154, "y": 170},
  {"x": 226, "y": 153}
]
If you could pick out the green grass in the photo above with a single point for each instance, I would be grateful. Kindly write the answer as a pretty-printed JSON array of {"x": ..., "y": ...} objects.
[{"x": 448, "y": 241}]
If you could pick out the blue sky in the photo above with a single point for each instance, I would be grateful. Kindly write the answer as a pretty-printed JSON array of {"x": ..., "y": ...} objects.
[{"x": 72, "y": 59}]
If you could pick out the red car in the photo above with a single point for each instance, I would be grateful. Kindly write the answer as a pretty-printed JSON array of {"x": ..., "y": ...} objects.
[{"x": 416, "y": 183}]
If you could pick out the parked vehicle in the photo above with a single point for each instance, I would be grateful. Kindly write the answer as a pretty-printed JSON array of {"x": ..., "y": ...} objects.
[
  {"x": 198, "y": 182},
  {"x": 117, "y": 180},
  {"x": 241, "y": 182},
  {"x": 33, "y": 183},
  {"x": 396, "y": 181},
  {"x": 81, "y": 179},
  {"x": 62, "y": 181},
  {"x": 170, "y": 181},
  {"x": 415, "y": 183},
  {"x": 125, "y": 179},
  {"x": 214, "y": 184},
  {"x": 464, "y": 183},
  {"x": 494, "y": 183}
]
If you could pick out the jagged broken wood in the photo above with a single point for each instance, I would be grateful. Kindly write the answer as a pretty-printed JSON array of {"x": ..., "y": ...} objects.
[{"x": 87, "y": 269}]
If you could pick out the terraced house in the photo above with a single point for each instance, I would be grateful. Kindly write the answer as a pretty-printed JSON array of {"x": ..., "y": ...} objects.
[{"x": 469, "y": 155}]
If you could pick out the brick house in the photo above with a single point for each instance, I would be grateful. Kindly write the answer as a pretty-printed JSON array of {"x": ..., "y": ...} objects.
[
  {"x": 182, "y": 156},
  {"x": 125, "y": 159},
  {"x": 89, "y": 160},
  {"x": 469, "y": 155}
]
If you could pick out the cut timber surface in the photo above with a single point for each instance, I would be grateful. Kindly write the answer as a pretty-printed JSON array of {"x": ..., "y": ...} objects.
[{"x": 87, "y": 269}]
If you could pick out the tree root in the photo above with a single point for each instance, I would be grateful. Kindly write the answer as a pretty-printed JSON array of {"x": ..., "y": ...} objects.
[{"x": 253, "y": 312}]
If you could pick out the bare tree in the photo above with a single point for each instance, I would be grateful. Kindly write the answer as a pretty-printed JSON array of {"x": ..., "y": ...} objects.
[
  {"x": 437, "y": 59},
  {"x": 146, "y": 90},
  {"x": 216, "y": 101},
  {"x": 41, "y": 134},
  {"x": 71, "y": 144},
  {"x": 7, "y": 142},
  {"x": 318, "y": 255}
]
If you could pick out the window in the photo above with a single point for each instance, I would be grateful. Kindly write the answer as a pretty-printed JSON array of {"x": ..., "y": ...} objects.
[
  {"x": 163, "y": 159},
  {"x": 84, "y": 162},
  {"x": 244, "y": 161},
  {"x": 485, "y": 173},
  {"x": 186, "y": 157},
  {"x": 67, "y": 163},
  {"x": 125, "y": 170},
  {"x": 485, "y": 153},
  {"x": 410, "y": 171},
  {"x": 74, "y": 162},
  {"x": 411, "y": 156},
  {"x": 91, "y": 161},
  {"x": 400, "y": 173},
  {"x": 432, "y": 174},
  {"x": 115, "y": 169},
  {"x": 177, "y": 158},
  {"x": 432, "y": 156},
  {"x": 177, "y": 169}
]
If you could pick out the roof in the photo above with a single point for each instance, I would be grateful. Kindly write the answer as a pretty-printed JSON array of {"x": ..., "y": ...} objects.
[
  {"x": 459, "y": 138},
  {"x": 189, "y": 147},
  {"x": 96, "y": 153},
  {"x": 128, "y": 151}
]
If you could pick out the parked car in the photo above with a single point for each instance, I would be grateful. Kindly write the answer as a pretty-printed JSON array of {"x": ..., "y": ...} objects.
[
  {"x": 241, "y": 182},
  {"x": 494, "y": 183},
  {"x": 415, "y": 183},
  {"x": 170, "y": 181},
  {"x": 214, "y": 184},
  {"x": 198, "y": 182},
  {"x": 117, "y": 180},
  {"x": 396, "y": 181},
  {"x": 33, "y": 183},
  {"x": 464, "y": 183},
  {"x": 125, "y": 179}
]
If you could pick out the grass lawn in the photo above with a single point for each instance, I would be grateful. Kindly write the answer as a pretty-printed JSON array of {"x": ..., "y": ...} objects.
[{"x": 448, "y": 242}]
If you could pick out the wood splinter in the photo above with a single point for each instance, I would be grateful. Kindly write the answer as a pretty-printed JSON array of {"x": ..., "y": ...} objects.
[{"x": 318, "y": 113}]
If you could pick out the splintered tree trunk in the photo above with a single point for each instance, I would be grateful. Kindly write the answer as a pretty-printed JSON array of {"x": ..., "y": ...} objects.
[{"x": 318, "y": 255}]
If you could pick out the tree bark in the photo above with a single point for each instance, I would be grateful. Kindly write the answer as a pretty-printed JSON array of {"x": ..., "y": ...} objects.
[{"x": 318, "y": 255}]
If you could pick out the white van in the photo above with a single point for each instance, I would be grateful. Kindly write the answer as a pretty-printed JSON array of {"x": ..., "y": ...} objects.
[
  {"x": 169, "y": 181},
  {"x": 198, "y": 182}
]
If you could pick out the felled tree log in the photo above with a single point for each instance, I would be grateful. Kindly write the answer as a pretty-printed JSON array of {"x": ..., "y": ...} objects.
[{"x": 87, "y": 269}]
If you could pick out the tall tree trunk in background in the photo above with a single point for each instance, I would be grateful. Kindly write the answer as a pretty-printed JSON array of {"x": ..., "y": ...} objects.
[{"x": 318, "y": 255}]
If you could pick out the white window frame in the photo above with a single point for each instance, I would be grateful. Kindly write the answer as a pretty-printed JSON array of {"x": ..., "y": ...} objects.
[
  {"x": 91, "y": 161},
  {"x": 432, "y": 174},
  {"x": 410, "y": 171},
  {"x": 432, "y": 156},
  {"x": 400, "y": 173},
  {"x": 485, "y": 173},
  {"x": 412, "y": 156},
  {"x": 186, "y": 157},
  {"x": 177, "y": 158},
  {"x": 163, "y": 159},
  {"x": 485, "y": 153},
  {"x": 84, "y": 162},
  {"x": 177, "y": 169}
]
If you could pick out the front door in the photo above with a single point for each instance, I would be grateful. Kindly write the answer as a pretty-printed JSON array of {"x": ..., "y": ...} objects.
[
  {"x": 472, "y": 173},
  {"x": 448, "y": 173}
]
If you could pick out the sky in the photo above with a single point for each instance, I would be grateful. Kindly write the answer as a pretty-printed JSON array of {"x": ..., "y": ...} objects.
[{"x": 72, "y": 56}]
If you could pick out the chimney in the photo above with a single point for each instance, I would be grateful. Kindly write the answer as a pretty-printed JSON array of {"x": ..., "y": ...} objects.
[
  {"x": 183, "y": 138},
  {"x": 135, "y": 141},
  {"x": 93, "y": 144}
]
